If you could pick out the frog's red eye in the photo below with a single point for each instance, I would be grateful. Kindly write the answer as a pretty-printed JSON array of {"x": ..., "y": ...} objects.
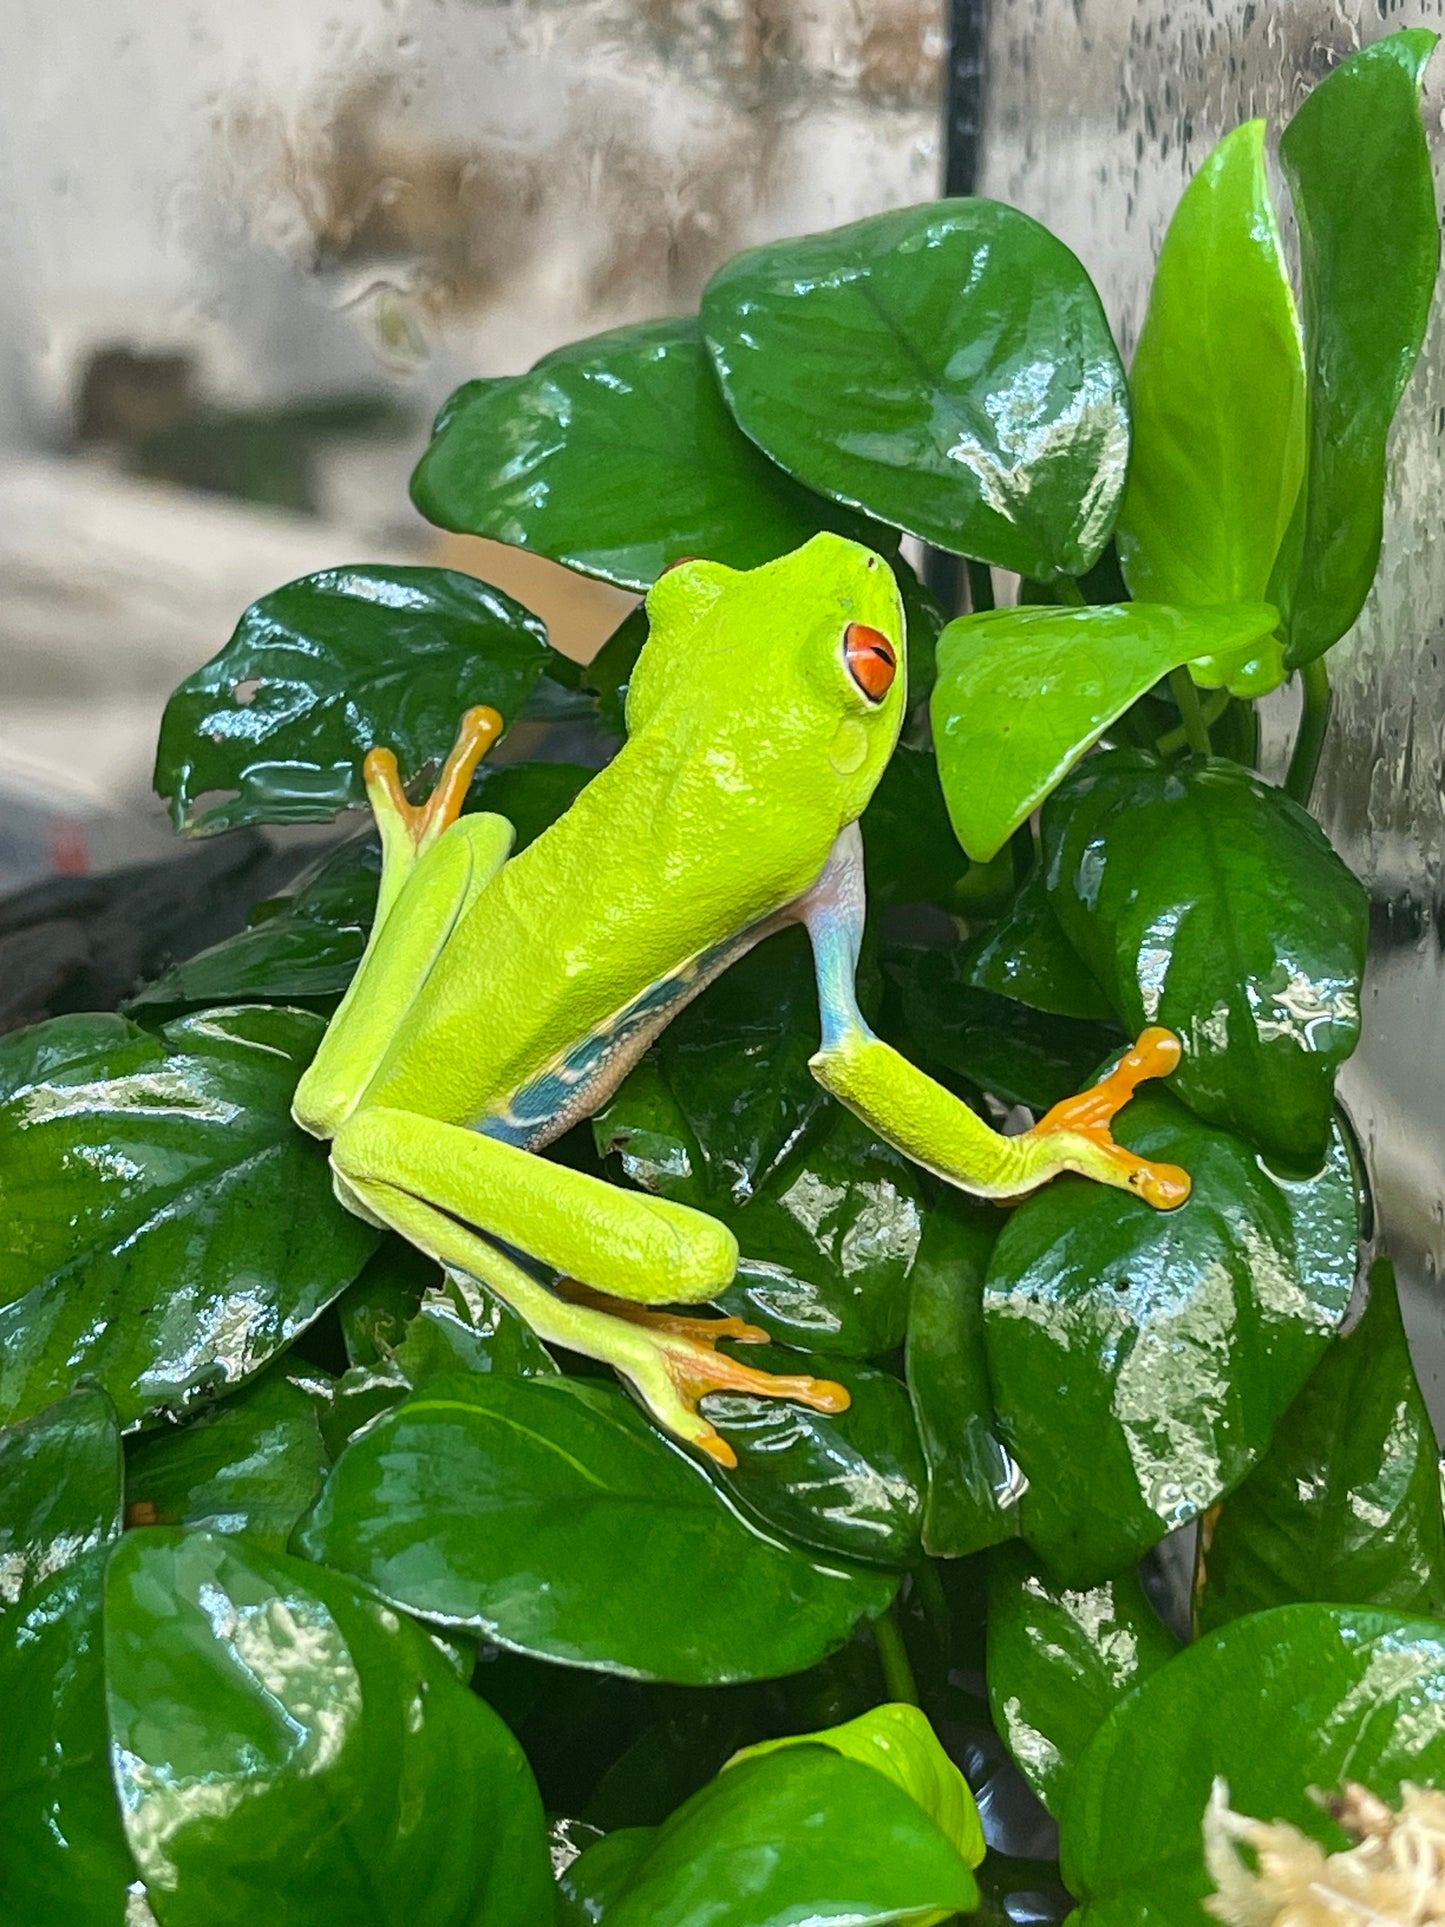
[{"x": 871, "y": 659}]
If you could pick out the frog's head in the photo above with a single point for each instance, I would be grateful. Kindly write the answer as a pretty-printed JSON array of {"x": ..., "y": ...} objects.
[{"x": 805, "y": 654}]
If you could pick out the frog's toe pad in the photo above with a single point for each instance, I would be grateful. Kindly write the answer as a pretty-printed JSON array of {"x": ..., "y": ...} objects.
[
  {"x": 696, "y": 1370},
  {"x": 1085, "y": 1120}
]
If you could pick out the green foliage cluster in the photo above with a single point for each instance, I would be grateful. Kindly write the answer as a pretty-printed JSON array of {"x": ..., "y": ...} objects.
[{"x": 404, "y": 1602}]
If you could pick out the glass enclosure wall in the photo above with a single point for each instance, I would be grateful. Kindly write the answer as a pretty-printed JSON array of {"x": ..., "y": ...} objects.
[{"x": 1096, "y": 113}]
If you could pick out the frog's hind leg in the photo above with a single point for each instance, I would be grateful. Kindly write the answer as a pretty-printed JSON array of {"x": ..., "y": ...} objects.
[{"x": 457, "y": 1195}]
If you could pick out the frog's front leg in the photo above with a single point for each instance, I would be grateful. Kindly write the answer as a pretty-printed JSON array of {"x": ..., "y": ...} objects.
[
  {"x": 457, "y": 1195},
  {"x": 933, "y": 1127}
]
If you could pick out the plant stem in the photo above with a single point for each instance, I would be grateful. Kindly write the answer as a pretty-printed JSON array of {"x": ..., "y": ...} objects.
[
  {"x": 1196, "y": 730},
  {"x": 980, "y": 587},
  {"x": 1070, "y": 592},
  {"x": 897, "y": 1670},
  {"x": 1175, "y": 739},
  {"x": 1314, "y": 724}
]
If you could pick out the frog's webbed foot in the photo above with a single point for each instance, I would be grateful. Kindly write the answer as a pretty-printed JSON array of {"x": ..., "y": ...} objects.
[
  {"x": 423, "y": 823},
  {"x": 1075, "y": 1135}
]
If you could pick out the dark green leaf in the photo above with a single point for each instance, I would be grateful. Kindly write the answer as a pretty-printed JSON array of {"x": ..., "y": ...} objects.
[
  {"x": 610, "y": 670},
  {"x": 925, "y": 619},
  {"x": 1060, "y": 1661},
  {"x": 616, "y": 456},
  {"x": 599, "y": 1874},
  {"x": 253, "y": 1465},
  {"x": 1022, "y": 693},
  {"x": 1219, "y": 404},
  {"x": 63, "y": 1856},
  {"x": 164, "y": 1227},
  {"x": 1022, "y": 1055},
  {"x": 911, "y": 854},
  {"x": 1276, "y": 1704},
  {"x": 1345, "y": 1505},
  {"x": 530, "y": 795},
  {"x": 799, "y": 1835},
  {"x": 549, "y": 1516},
  {"x": 849, "y": 1484},
  {"x": 1141, "y": 1359},
  {"x": 329, "y": 667},
  {"x": 349, "y": 1404},
  {"x": 1203, "y": 899},
  {"x": 1027, "y": 957},
  {"x": 287, "y": 1749},
  {"x": 973, "y": 1485},
  {"x": 1359, "y": 170},
  {"x": 60, "y": 1490},
  {"x": 376, "y": 1310},
  {"x": 463, "y": 1327},
  {"x": 948, "y": 368}
]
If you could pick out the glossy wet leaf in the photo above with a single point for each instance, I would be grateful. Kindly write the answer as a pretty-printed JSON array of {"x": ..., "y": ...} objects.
[
  {"x": 849, "y": 1483},
  {"x": 973, "y": 1486},
  {"x": 1018, "y": 1054},
  {"x": 252, "y": 1465},
  {"x": 332, "y": 665},
  {"x": 546, "y": 1514},
  {"x": 1027, "y": 957},
  {"x": 1141, "y": 1359},
  {"x": 599, "y": 1874},
  {"x": 1359, "y": 171},
  {"x": 460, "y": 1326},
  {"x": 60, "y": 1490},
  {"x": 1219, "y": 401},
  {"x": 164, "y": 1227},
  {"x": 269, "y": 1715},
  {"x": 616, "y": 456},
  {"x": 377, "y": 1308},
  {"x": 897, "y": 1741},
  {"x": 948, "y": 368},
  {"x": 1059, "y": 1661},
  {"x": 801, "y": 1835},
  {"x": 1205, "y": 900},
  {"x": 910, "y": 852},
  {"x": 1345, "y": 1505},
  {"x": 1278, "y": 1703},
  {"x": 1022, "y": 693},
  {"x": 63, "y": 1855}
]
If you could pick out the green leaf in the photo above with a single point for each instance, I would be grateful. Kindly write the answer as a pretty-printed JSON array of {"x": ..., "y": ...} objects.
[
  {"x": 1141, "y": 1359},
  {"x": 898, "y": 1742},
  {"x": 925, "y": 620},
  {"x": 1276, "y": 1704},
  {"x": 610, "y": 670},
  {"x": 547, "y": 1514},
  {"x": 164, "y": 1227},
  {"x": 1219, "y": 402},
  {"x": 462, "y": 1327},
  {"x": 910, "y": 852},
  {"x": 60, "y": 1490},
  {"x": 376, "y": 1310},
  {"x": 1022, "y": 693},
  {"x": 973, "y": 1486},
  {"x": 598, "y": 1875},
  {"x": 1060, "y": 1661},
  {"x": 530, "y": 795},
  {"x": 1020, "y": 1055},
  {"x": 287, "y": 1749},
  {"x": 252, "y": 1465},
  {"x": 1027, "y": 957},
  {"x": 850, "y": 1484},
  {"x": 1205, "y": 900},
  {"x": 800, "y": 1835},
  {"x": 325, "y": 669},
  {"x": 616, "y": 456},
  {"x": 64, "y": 1861},
  {"x": 1345, "y": 1505},
  {"x": 1359, "y": 170},
  {"x": 948, "y": 368}
]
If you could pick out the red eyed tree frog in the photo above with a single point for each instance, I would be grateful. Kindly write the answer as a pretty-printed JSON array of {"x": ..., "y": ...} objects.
[{"x": 500, "y": 1001}]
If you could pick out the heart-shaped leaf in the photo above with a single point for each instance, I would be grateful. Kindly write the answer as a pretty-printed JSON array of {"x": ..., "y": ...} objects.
[
  {"x": 1275, "y": 1704},
  {"x": 1359, "y": 169},
  {"x": 1060, "y": 1661},
  {"x": 270, "y": 1715},
  {"x": 1141, "y": 1359},
  {"x": 1027, "y": 957},
  {"x": 549, "y": 1516},
  {"x": 1205, "y": 900},
  {"x": 164, "y": 1227},
  {"x": 329, "y": 667},
  {"x": 1345, "y": 1505},
  {"x": 60, "y": 1490},
  {"x": 910, "y": 852},
  {"x": 799, "y": 1835},
  {"x": 63, "y": 1855},
  {"x": 616, "y": 456},
  {"x": 948, "y": 368},
  {"x": 252, "y": 1465},
  {"x": 1022, "y": 693},
  {"x": 1219, "y": 403}
]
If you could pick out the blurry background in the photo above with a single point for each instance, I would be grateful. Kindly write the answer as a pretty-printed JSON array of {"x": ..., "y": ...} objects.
[{"x": 247, "y": 246}]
